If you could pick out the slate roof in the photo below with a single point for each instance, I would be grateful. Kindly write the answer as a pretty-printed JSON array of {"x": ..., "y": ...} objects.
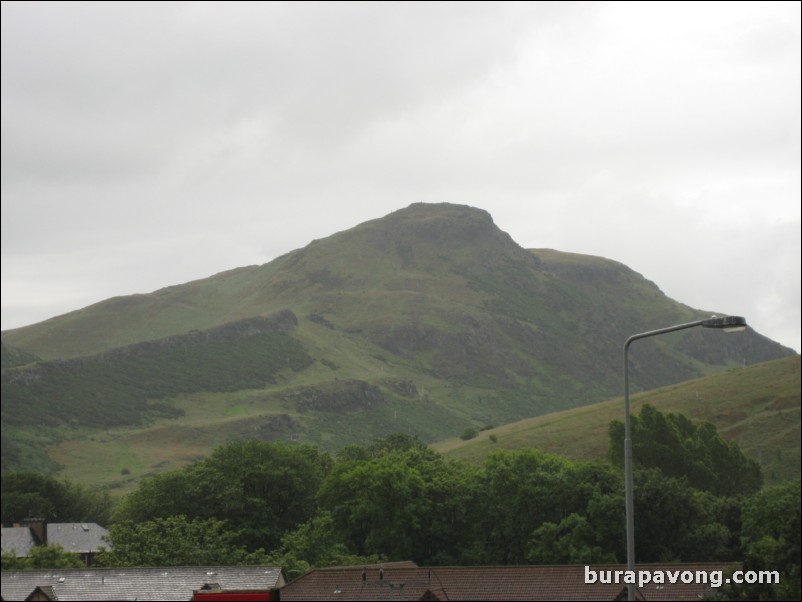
[
  {"x": 17, "y": 538},
  {"x": 79, "y": 538},
  {"x": 137, "y": 583},
  {"x": 486, "y": 583}
]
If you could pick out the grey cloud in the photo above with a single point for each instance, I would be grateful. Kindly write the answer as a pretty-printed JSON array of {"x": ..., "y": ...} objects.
[{"x": 224, "y": 134}]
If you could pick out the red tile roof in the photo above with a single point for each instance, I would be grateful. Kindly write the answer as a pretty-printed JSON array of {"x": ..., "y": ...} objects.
[{"x": 491, "y": 583}]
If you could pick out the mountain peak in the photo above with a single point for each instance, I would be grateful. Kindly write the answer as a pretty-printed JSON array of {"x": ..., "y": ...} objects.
[
  {"x": 435, "y": 219},
  {"x": 437, "y": 231},
  {"x": 426, "y": 210}
]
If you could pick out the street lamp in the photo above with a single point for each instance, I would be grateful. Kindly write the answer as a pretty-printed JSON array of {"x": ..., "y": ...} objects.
[{"x": 727, "y": 324}]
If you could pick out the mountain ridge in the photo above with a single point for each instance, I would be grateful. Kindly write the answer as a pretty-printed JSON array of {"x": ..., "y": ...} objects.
[{"x": 484, "y": 331}]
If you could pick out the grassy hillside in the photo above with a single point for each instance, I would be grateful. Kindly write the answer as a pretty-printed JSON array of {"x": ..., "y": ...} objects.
[
  {"x": 14, "y": 357},
  {"x": 756, "y": 406},
  {"x": 120, "y": 386},
  {"x": 440, "y": 318}
]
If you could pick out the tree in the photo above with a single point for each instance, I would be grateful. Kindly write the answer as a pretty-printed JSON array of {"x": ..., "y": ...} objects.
[
  {"x": 399, "y": 499},
  {"x": 771, "y": 541},
  {"x": 377, "y": 505},
  {"x": 33, "y": 495},
  {"x": 395, "y": 442},
  {"x": 452, "y": 532},
  {"x": 584, "y": 521},
  {"x": 277, "y": 484},
  {"x": 42, "y": 557},
  {"x": 573, "y": 541},
  {"x": 524, "y": 489},
  {"x": 680, "y": 449},
  {"x": 197, "y": 491},
  {"x": 469, "y": 433},
  {"x": 665, "y": 513},
  {"x": 715, "y": 534},
  {"x": 316, "y": 544},
  {"x": 172, "y": 541},
  {"x": 261, "y": 490}
]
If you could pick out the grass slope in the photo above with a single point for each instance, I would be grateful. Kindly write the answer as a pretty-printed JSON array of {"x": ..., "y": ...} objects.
[
  {"x": 100, "y": 393},
  {"x": 756, "y": 406},
  {"x": 322, "y": 404},
  {"x": 433, "y": 306}
]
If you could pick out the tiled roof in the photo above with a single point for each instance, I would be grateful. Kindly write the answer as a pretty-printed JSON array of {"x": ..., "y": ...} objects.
[
  {"x": 17, "y": 539},
  {"x": 136, "y": 583},
  {"x": 395, "y": 564},
  {"x": 486, "y": 583},
  {"x": 79, "y": 538}
]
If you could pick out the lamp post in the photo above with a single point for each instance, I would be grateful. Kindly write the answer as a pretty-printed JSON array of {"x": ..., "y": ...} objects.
[{"x": 728, "y": 324}]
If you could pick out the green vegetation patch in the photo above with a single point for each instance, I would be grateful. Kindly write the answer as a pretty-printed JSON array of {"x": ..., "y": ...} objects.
[
  {"x": 110, "y": 390},
  {"x": 11, "y": 356}
]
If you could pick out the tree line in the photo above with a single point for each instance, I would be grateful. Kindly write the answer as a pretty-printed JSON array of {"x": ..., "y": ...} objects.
[{"x": 697, "y": 498}]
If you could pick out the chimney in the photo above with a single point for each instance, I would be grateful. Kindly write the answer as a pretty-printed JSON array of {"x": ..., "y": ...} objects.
[{"x": 38, "y": 527}]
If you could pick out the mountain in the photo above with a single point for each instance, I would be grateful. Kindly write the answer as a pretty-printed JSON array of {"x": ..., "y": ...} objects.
[{"x": 426, "y": 321}]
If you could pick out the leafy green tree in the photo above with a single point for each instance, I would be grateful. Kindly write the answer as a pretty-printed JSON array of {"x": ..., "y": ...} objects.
[
  {"x": 519, "y": 479},
  {"x": 378, "y": 505},
  {"x": 278, "y": 484},
  {"x": 676, "y": 523},
  {"x": 452, "y": 532},
  {"x": 665, "y": 515},
  {"x": 469, "y": 433},
  {"x": 524, "y": 489},
  {"x": 354, "y": 453},
  {"x": 34, "y": 495},
  {"x": 594, "y": 529},
  {"x": 395, "y": 442},
  {"x": 680, "y": 449},
  {"x": 715, "y": 534},
  {"x": 12, "y": 563},
  {"x": 399, "y": 499},
  {"x": 573, "y": 541},
  {"x": 449, "y": 530},
  {"x": 54, "y": 557},
  {"x": 261, "y": 490},
  {"x": 771, "y": 540},
  {"x": 197, "y": 491},
  {"x": 316, "y": 544},
  {"x": 172, "y": 541},
  {"x": 42, "y": 557}
]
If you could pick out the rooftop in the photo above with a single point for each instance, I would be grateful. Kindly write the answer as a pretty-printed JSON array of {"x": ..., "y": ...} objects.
[
  {"x": 78, "y": 538},
  {"x": 137, "y": 583},
  {"x": 490, "y": 583}
]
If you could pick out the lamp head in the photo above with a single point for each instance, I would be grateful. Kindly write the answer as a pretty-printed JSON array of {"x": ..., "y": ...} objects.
[{"x": 727, "y": 323}]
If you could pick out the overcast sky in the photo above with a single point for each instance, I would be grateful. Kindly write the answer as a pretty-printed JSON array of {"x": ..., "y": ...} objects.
[{"x": 149, "y": 144}]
